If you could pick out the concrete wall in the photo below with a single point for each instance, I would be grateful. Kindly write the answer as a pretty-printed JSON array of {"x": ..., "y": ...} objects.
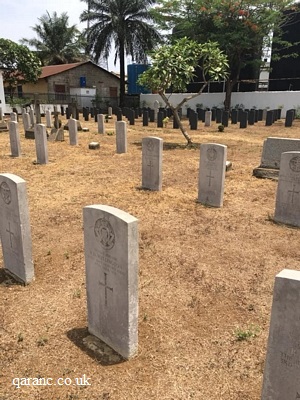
[{"x": 262, "y": 100}]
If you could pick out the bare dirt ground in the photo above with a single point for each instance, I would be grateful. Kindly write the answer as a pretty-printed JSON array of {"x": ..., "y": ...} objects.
[{"x": 206, "y": 274}]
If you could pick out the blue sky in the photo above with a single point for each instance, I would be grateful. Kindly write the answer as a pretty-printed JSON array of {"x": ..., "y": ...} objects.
[{"x": 17, "y": 18}]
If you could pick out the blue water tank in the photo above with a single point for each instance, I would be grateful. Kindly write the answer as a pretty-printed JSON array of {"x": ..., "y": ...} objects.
[{"x": 133, "y": 72}]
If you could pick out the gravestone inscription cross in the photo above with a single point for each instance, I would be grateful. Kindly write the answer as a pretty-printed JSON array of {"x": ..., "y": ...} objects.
[
  {"x": 111, "y": 260},
  {"x": 15, "y": 230}
]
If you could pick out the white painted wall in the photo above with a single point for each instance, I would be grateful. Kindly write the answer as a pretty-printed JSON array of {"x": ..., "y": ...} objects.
[
  {"x": 2, "y": 97},
  {"x": 262, "y": 100}
]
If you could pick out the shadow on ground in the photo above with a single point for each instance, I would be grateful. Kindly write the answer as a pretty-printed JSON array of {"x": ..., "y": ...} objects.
[{"x": 94, "y": 347}]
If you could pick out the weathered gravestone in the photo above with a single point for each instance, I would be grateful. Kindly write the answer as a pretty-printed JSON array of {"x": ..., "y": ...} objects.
[
  {"x": 15, "y": 228},
  {"x": 48, "y": 119},
  {"x": 193, "y": 118},
  {"x": 155, "y": 107},
  {"x": 270, "y": 118},
  {"x": 273, "y": 147},
  {"x": 37, "y": 109},
  {"x": 287, "y": 207},
  {"x": 234, "y": 116},
  {"x": 160, "y": 117},
  {"x": 41, "y": 145},
  {"x": 100, "y": 122},
  {"x": 281, "y": 374},
  {"x": 207, "y": 118},
  {"x": 289, "y": 117},
  {"x": 225, "y": 118},
  {"x": 152, "y": 150},
  {"x": 121, "y": 137},
  {"x": 212, "y": 174},
  {"x": 111, "y": 260},
  {"x": 73, "y": 132},
  {"x": 145, "y": 118},
  {"x": 13, "y": 117},
  {"x": 26, "y": 121},
  {"x": 14, "y": 137},
  {"x": 243, "y": 116}
]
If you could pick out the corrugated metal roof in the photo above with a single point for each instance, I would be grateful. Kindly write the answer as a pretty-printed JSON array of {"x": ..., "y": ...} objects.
[{"x": 50, "y": 70}]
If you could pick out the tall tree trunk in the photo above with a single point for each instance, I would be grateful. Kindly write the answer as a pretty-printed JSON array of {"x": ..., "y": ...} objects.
[
  {"x": 229, "y": 86},
  {"x": 122, "y": 73},
  {"x": 176, "y": 116}
]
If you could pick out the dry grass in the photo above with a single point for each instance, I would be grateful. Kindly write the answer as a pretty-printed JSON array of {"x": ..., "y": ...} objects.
[{"x": 206, "y": 275}]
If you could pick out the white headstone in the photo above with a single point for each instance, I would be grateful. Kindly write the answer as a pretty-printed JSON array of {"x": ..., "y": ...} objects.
[
  {"x": 1, "y": 114},
  {"x": 121, "y": 137},
  {"x": 264, "y": 114},
  {"x": 208, "y": 115},
  {"x": 14, "y": 137},
  {"x": 111, "y": 260},
  {"x": 31, "y": 114},
  {"x": 73, "y": 132},
  {"x": 15, "y": 228},
  {"x": 281, "y": 375},
  {"x": 152, "y": 151},
  {"x": 212, "y": 174},
  {"x": 101, "y": 125},
  {"x": 13, "y": 117},
  {"x": 109, "y": 111},
  {"x": 48, "y": 119},
  {"x": 156, "y": 107},
  {"x": 41, "y": 145},
  {"x": 26, "y": 121},
  {"x": 287, "y": 207}
]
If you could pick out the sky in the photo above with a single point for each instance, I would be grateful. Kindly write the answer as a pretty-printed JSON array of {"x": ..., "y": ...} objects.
[{"x": 17, "y": 18}]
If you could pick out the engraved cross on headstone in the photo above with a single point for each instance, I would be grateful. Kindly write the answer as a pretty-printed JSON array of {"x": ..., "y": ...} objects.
[
  {"x": 10, "y": 234},
  {"x": 150, "y": 165},
  {"x": 106, "y": 287},
  {"x": 293, "y": 192},
  {"x": 210, "y": 177}
]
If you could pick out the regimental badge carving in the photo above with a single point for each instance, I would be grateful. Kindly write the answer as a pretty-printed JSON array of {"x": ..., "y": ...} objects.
[
  {"x": 5, "y": 192},
  {"x": 150, "y": 145},
  {"x": 105, "y": 233},
  {"x": 295, "y": 164},
  {"x": 211, "y": 154}
]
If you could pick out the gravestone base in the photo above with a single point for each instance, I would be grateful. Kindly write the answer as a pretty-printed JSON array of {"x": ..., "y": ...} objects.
[
  {"x": 266, "y": 173},
  {"x": 29, "y": 134},
  {"x": 94, "y": 145},
  {"x": 102, "y": 350},
  {"x": 14, "y": 278}
]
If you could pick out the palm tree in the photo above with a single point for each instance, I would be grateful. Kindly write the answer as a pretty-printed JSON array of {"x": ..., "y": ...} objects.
[
  {"x": 127, "y": 24},
  {"x": 57, "y": 42}
]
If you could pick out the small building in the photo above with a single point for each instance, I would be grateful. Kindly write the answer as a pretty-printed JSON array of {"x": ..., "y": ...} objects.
[{"x": 85, "y": 82}]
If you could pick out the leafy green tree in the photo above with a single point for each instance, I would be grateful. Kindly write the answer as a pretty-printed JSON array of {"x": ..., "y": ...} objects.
[
  {"x": 173, "y": 67},
  {"x": 57, "y": 42},
  {"x": 127, "y": 24},
  {"x": 242, "y": 28},
  {"x": 19, "y": 64}
]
